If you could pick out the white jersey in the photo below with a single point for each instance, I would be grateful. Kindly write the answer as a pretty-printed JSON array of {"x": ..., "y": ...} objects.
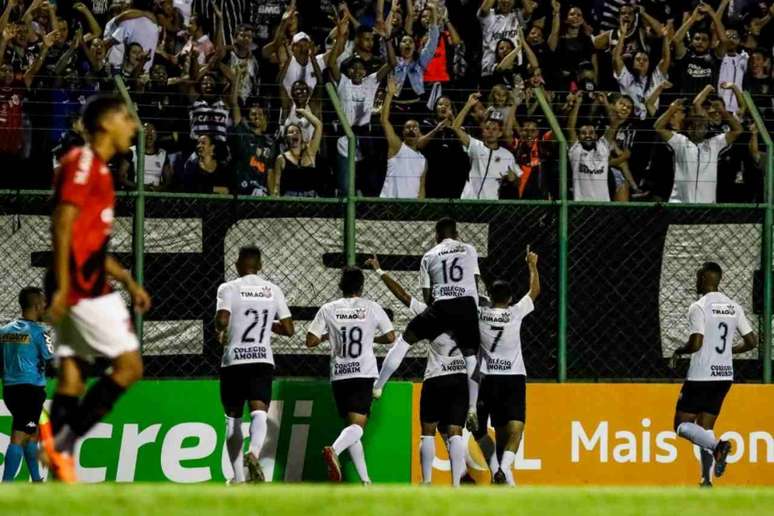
[
  {"x": 718, "y": 318},
  {"x": 404, "y": 174},
  {"x": 351, "y": 324},
  {"x": 450, "y": 269},
  {"x": 488, "y": 168},
  {"x": 589, "y": 171},
  {"x": 696, "y": 168},
  {"x": 501, "y": 338},
  {"x": 254, "y": 304},
  {"x": 443, "y": 355}
]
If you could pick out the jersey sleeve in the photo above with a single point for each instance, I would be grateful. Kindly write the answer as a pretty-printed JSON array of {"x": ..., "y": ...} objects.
[
  {"x": 45, "y": 344},
  {"x": 719, "y": 142},
  {"x": 73, "y": 182},
  {"x": 416, "y": 306},
  {"x": 424, "y": 272},
  {"x": 224, "y": 298},
  {"x": 283, "y": 312},
  {"x": 524, "y": 307},
  {"x": 317, "y": 326},
  {"x": 695, "y": 320},
  {"x": 383, "y": 322},
  {"x": 677, "y": 142},
  {"x": 742, "y": 324},
  {"x": 474, "y": 258}
]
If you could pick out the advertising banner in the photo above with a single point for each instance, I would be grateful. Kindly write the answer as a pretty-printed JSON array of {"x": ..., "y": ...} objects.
[
  {"x": 622, "y": 434},
  {"x": 174, "y": 431}
]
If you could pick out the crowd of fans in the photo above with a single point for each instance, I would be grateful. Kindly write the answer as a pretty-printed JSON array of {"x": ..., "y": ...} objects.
[{"x": 441, "y": 95}]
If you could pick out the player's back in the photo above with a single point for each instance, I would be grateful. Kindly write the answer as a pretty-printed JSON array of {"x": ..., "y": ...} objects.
[
  {"x": 83, "y": 180},
  {"x": 444, "y": 356},
  {"x": 718, "y": 318},
  {"x": 352, "y": 323},
  {"x": 501, "y": 338},
  {"x": 450, "y": 269},
  {"x": 254, "y": 303},
  {"x": 26, "y": 348}
]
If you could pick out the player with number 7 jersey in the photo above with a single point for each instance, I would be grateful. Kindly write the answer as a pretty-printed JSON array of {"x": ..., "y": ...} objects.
[{"x": 352, "y": 325}]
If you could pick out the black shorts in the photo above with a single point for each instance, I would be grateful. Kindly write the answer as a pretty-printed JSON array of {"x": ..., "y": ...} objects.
[
  {"x": 245, "y": 382},
  {"x": 504, "y": 398},
  {"x": 458, "y": 317},
  {"x": 24, "y": 402},
  {"x": 698, "y": 397},
  {"x": 353, "y": 395},
  {"x": 444, "y": 400}
]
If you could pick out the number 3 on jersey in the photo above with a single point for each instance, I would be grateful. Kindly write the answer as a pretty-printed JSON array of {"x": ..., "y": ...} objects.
[
  {"x": 246, "y": 337},
  {"x": 351, "y": 343},
  {"x": 454, "y": 273},
  {"x": 723, "y": 327}
]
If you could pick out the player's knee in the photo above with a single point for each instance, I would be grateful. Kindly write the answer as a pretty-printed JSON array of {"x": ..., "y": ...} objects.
[{"x": 127, "y": 369}]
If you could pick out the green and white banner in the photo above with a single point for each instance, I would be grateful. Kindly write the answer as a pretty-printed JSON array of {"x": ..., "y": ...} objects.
[{"x": 174, "y": 431}]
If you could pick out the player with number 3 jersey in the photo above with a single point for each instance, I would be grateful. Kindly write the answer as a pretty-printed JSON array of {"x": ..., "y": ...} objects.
[
  {"x": 246, "y": 311},
  {"x": 352, "y": 325},
  {"x": 713, "y": 322}
]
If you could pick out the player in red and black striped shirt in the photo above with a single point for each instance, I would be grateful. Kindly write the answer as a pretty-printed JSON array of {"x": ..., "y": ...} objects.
[{"x": 90, "y": 319}]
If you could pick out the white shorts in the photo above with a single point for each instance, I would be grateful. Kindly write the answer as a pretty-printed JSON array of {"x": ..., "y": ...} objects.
[{"x": 96, "y": 327}]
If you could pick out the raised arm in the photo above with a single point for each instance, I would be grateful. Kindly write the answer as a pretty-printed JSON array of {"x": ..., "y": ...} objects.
[
  {"x": 428, "y": 51},
  {"x": 463, "y": 136},
  {"x": 94, "y": 26},
  {"x": 679, "y": 39},
  {"x": 532, "y": 59},
  {"x": 650, "y": 102},
  {"x": 392, "y": 285},
  {"x": 7, "y": 13},
  {"x": 534, "y": 276},
  {"x": 428, "y": 136},
  {"x": 393, "y": 141},
  {"x": 391, "y": 62},
  {"x": 741, "y": 102},
  {"x": 734, "y": 124},
  {"x": 666, "y": 51},
  {"x": 32, "y": 71},
  {"x": 662, "y": 124},
  {"x": 332, "y": 60},
  {"x": 701, "y": 98},
  {"x": 618, "y": 62},
  {"x": 572, "y": 120},
  {"x": 314, "y": 143},
  {"x": 720, "y": 29},
  {"x": 652, "y": 22},
  {"x": 486, "y": 6},
  {"x": 556, "y": 24},
  {"x": 408, "y": 20}
]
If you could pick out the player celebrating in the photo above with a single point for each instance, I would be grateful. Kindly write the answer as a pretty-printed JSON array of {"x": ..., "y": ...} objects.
[
  {"x": 503, "y": 388},
  {"x": 444, "y": 395},
  {"x": 449, "y": 277},
  {"x": 246, "y": 310},
  {"x": 352, "y": 324},
  {"x": 26, "y": 349},
  {"x": 90, "y": 319},
  {"x": 713, "y": 320}
]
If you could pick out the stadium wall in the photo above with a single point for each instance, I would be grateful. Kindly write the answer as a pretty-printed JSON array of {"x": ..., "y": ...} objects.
[{"x": 578, "y": 434}]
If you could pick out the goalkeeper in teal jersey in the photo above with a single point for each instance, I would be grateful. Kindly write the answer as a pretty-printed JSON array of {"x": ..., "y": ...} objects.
[{"x": 25, "y": 350}]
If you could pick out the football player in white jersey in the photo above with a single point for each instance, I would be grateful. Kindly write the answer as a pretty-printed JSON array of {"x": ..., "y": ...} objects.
[
  {"x": 443, "y": 402},
  {"x": 449, "y": 277},
  {"x": 713, "y": 321},
  {"x": 352, "y": 325},
  {"x": 503, "y": 393},
  {"x": 246, "y": 311}
]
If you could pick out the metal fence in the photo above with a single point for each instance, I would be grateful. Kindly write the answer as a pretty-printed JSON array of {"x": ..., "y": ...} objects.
[{"x": 617, "y": 278}]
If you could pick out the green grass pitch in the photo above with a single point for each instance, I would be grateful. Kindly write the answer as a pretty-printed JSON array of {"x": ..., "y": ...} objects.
[{"x": 309, "y": 499}]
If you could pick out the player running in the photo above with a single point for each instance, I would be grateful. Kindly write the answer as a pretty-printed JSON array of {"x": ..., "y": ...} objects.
[
  {"x": 91, "y": 320},
  {"x": 444, "y": 398},
  {"x": 713, "y": 321},
  {"x": 352, "y": 324},
  {"x": 26, "y": 350},
  {"x": 246, "y": 310},
  {"x": 449, "y": 277},
  {"x": 503, "y": 387}
]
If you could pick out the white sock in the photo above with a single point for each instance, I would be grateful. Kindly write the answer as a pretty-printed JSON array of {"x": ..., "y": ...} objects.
[
  {"x": 707, "y": 459},
  {"x": 392, "y": 361},
  {"x": 349, "y": 436},
  {"x": 457, "y": 457},
  {"x": 358, "y": 459},
  {"x": 697, "y": 435},
  {"x": 470, "y": 368},
  {"x": 506, "y": 466},
  {"x": 426, "y": 456},
  {"x": 257, "y": 431},
  {"x": 234, "y": 442}
]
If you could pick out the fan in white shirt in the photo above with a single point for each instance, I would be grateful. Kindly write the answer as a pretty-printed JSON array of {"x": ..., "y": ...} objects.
[
  {"x": 490, "y": 164},
  {"x": 589, "y": 155},
  {"x": 696, "y": 155},
  {"x": 713, "y": 322},
  {"x": 406, "y": 166}
]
